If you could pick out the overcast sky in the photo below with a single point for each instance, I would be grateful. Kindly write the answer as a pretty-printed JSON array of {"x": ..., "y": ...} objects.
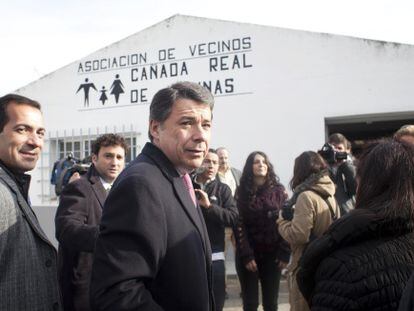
[{"x": 38, "y": 37}]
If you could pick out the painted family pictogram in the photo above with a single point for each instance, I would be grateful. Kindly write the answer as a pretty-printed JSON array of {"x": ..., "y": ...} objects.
[{"x": 116, "y": 89}]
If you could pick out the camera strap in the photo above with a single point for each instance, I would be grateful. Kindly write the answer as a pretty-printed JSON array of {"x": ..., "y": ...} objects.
[{"x": 326, "y": 199}]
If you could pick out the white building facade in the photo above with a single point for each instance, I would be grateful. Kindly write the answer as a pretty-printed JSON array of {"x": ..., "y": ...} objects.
[{"x": 276, "y": 90}]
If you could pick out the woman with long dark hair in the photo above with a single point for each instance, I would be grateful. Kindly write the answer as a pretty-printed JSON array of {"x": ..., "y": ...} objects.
[
  {"x": 315, "y": 208},
  {"x": 365, "y": 258},
  {"x": 261, "y": 251}
]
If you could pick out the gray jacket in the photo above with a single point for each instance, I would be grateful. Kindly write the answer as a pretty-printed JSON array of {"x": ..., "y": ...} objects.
[
  {"x": 237, "y": 175},
  {"x": 28, "y": 276}
]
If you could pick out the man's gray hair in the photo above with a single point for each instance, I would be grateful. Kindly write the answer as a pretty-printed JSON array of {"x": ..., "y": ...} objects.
[
  {"x": 163, "y": 100},
  {"x": 405, "y": 130}
]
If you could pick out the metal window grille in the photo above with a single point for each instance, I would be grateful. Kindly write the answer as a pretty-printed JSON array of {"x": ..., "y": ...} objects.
[{"x": 78, "y": 142}]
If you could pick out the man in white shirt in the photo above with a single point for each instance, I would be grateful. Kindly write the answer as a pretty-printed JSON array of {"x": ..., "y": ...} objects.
[{"x": 227, "y": 174}]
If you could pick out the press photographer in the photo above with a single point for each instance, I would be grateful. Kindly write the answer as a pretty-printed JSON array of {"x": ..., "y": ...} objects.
[{"x": 337, "y": 152}]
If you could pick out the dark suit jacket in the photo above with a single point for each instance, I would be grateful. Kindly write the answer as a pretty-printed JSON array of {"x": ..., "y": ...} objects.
[
  {"x": 28, "y": 276},
  {"x": 152, "y": 252},
  {"x": 77, "y": 224},
  {"x": 221, "y": 214}
]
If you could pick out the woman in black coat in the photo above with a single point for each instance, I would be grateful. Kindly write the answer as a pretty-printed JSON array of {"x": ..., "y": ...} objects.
[{"x": 365, "y": 258}]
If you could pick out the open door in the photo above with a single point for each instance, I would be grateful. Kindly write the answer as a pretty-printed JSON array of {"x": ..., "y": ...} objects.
[{"x": 361, "y": 129}]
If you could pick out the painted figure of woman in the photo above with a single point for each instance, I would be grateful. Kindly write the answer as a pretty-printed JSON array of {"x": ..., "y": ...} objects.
[{"x": 117, "y": 88}]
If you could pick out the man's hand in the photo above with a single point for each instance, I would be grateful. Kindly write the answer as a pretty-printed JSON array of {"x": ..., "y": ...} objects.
[
  {"x": 281, "y": 264},
  {"x": 251, "y": 266},
  {"x": 202, "y": 198},
  {"x": 75, "y": 176}
]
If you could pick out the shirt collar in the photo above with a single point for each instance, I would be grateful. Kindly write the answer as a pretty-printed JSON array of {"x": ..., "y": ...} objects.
[
  {"x": 22, "y": 180},
  {"x": 106, "y": 185},
  {"x": 206, "y": 183},
  {"x": 226, "y": 171}
]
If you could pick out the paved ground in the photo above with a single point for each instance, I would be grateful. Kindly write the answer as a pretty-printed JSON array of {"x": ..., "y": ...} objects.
[{"x": 234, "y": 302}]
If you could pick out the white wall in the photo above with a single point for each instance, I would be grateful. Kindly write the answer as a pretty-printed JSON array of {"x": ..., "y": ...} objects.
[{"x": 292, "y": 80}]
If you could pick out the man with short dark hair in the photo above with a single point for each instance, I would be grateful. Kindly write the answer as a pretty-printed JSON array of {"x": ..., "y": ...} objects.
[
  {"x": 219, "y": 211},
  {"x": 28, "y": 276},
  {"x": 153, "y": 251},
  {"x": 78, "y": 216},
  {"x": 343, "y": 174}
]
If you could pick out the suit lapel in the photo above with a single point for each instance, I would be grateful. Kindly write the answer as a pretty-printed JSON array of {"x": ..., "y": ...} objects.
[
  {"x": 171, "y": 174},
  {"x": 188, "y": 204},
  {"x": 97, "y": 187},
  {"x": 206, "y": 237},
  {"x": 24, "y": 206}
]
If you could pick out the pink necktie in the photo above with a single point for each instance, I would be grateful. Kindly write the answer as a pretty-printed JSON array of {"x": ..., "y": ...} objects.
[{"x": 189, "y": 186}]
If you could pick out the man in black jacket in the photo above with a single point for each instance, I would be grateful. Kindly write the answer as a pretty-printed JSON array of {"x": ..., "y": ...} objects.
[
  {"x": 219, "y": 211},
  {"x": 343, "y": 174}
]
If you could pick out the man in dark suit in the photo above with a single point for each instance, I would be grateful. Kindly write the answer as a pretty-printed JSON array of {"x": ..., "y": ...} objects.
[
  {"x": 153, "y": 252},
  {"x": 78, "y": 216},
  {"x": 28, "y": 276}
]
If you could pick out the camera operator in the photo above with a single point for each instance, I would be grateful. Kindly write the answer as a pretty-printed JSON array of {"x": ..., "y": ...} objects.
[{"x": 342, "y": 170}]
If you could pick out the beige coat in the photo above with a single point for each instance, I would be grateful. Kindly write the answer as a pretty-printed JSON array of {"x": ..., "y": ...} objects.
[{"x": 311, "y": 215}]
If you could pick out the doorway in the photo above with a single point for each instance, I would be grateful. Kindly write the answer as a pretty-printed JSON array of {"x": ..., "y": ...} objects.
[{"x": 361, "y": 129}]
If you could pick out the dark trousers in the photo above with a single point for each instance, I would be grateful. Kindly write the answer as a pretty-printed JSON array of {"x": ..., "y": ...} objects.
[
  {"x": 269, "y": 276},
  {"x": 219, "y": 287}
]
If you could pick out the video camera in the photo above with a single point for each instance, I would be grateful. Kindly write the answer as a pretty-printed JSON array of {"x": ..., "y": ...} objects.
[
  {"x": 72, "y": 166},
  {"x": 80, "y": 168},
  {"x": 330, "y": 155}
]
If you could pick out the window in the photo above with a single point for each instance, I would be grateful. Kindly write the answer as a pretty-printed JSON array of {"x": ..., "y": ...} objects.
[{"x": 80, "y": 147}]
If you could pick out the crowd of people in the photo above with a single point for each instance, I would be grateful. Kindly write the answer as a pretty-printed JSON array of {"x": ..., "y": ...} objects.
[{"x": 152, "y": 235}]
